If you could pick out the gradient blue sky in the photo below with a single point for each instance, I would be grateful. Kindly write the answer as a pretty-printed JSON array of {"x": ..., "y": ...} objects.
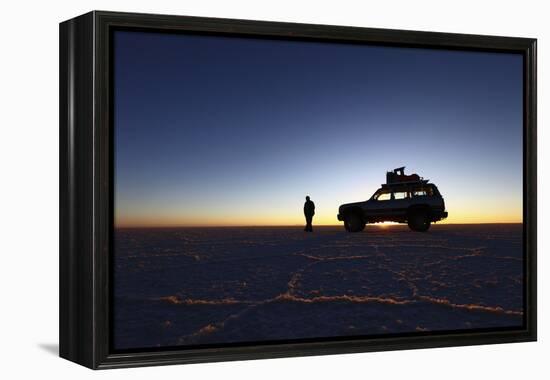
[{"x": 236, "y": 131}]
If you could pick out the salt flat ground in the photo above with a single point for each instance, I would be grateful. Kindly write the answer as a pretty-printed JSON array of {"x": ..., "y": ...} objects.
[{"x": 189, "y": 286}]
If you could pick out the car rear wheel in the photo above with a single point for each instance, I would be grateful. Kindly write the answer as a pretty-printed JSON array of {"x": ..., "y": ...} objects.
[
  {"x": 419, "y": 221},
  {"x": 354, "y": 223}
]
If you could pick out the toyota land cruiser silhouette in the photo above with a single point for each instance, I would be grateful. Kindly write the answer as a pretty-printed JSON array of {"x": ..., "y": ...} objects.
[{"x": 403, "y": 199}]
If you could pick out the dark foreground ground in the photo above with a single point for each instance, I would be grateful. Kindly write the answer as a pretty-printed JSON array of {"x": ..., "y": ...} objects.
[{"x": 192, "y": 286}]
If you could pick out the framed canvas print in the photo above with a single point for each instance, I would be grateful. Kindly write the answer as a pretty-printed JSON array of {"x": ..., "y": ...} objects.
[{"x": 237, "y": 189}]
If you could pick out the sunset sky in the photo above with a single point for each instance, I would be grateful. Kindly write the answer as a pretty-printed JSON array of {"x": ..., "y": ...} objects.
[{"x": 233, "y": 131}]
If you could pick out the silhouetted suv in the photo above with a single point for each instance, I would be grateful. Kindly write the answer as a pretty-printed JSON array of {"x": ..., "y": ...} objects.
[{"x": 404, "y": 199}]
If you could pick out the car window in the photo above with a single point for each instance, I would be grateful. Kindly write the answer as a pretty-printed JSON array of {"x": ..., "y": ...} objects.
[
  {"x": 383, "y": 196},
  {"x": 423, "y": 192},
  {"x": 401, "y": 195}
]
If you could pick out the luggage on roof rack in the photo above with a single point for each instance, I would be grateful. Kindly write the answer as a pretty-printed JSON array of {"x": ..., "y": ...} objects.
[{"x": 398, "y": 176}]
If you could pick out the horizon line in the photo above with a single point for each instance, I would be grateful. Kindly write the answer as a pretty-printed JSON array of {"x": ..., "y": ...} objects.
[{"x": 299, "y": 225}]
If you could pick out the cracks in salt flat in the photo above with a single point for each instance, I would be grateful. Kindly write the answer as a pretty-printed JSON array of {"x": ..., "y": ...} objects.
[
  {"x": 231, "y": 285},
  {"x": 381, "y": 262}
]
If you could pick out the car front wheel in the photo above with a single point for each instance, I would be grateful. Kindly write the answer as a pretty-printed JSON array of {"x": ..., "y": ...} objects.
[{"x": 354, "y": 223}]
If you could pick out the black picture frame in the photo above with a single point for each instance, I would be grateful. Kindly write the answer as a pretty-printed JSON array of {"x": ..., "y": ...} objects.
[{"x": 86, "y": 186}]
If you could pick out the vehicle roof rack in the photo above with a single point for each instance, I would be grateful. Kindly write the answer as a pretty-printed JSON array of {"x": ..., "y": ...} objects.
[{"x": 405, "y": 184}]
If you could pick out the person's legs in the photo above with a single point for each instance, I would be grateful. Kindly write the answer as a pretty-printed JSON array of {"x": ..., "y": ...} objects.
[{"x": 309, "y": 227}]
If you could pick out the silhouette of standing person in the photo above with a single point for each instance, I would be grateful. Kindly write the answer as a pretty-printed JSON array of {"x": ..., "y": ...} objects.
[{"x": 309, "y": 211}]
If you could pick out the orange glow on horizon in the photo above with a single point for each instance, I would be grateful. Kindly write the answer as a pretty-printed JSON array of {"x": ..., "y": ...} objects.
[
  {"x": 461, "y": 211},
  {"x": 318, "y": 220}
]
